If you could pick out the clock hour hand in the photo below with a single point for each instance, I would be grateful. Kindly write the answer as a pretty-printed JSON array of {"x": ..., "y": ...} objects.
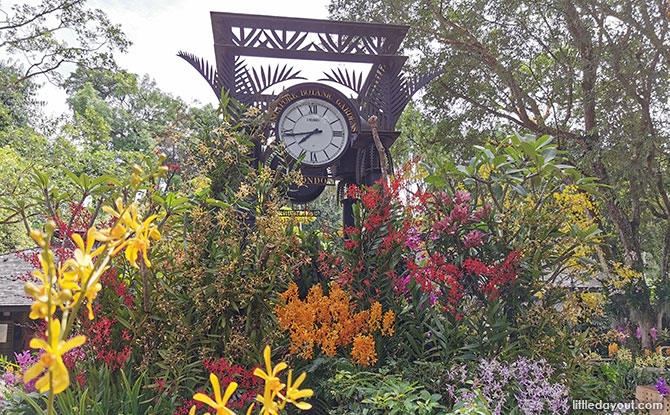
[
  {"x": 311, "y": 133},
  {"x": 315, "y": 131}
]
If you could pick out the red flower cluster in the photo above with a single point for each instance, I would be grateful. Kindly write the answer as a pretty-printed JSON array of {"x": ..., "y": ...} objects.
[
  {"x": 187, "y": 404},
  {"x": 445, "y": 281},
  {"x": 248, "y": 385},
  {"x": 502, "y": 274},
  {"x": 99, "y": 333},
  {"x": 111, "y": 280},
  {"x": 439, "y": 278},
  {"x": 497, "y": 275}
]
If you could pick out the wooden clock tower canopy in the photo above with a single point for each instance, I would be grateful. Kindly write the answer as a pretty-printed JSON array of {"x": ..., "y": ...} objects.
[{"x": 384, "y": 92}]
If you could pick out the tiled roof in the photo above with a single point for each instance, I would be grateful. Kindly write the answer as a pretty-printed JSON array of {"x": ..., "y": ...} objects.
[{"x": 12, "y": 268}]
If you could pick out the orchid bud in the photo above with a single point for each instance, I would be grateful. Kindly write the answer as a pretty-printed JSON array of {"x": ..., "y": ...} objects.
[
  {"x": 31, "y": 289},
  {"x": 137, "y": 169},
  {"x": 65, "y": 295},
  {"x": 162, "y": 157},
  {"x": 135, "y": 179},
  {"x": 38, "y": 236},
  {"x": 50, "y": 227},
  {"x": 162, "y": 170}
]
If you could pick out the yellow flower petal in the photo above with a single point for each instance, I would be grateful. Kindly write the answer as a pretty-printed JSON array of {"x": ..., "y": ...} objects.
[
  {"x": 34, "y": 371},
  {"x": 90, "y": 239},
  {"x": 267, "y": 355},
  {"x": 299, "y": 381},
  {"x": 216, "y": 386},
  {"x": 72, "y": 343},
  {"x": 42, "y": 384},
  {"x": 60, "y": 376},
  {"x": 37, "y": 343},
  {"x": 258, "y": 372},
  {"x": 281, "y": 366},
  {"x": 232, "y": 386},
  {"x": 204, "y": 399},
  {"x": 77, "y": 240},
  {"x": 303, "y": 405}
]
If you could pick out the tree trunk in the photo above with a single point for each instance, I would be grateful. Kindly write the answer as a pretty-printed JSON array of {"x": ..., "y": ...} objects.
[
  {"x": 665, "y": 256},
  {"x": 589, "y": 65}
]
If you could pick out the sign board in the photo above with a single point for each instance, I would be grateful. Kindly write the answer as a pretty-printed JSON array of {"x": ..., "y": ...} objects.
[{"x": 298, "y": 216}]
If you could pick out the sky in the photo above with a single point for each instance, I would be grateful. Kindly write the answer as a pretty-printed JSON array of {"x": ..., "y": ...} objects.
[{"x": 159, "y": 29}]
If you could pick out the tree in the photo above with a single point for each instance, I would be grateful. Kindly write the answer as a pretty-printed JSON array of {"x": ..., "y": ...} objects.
[
  {"x": 41, "y": 38},
  {"x": 592, "y": 73},
  {"x": 17, "y": 105}
]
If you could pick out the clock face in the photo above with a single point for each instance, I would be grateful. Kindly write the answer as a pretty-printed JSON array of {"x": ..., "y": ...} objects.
[{"x": 315, "y": 128}]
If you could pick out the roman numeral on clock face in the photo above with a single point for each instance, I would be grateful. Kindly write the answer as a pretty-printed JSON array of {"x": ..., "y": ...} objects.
[{"x": 313, "y": 130}]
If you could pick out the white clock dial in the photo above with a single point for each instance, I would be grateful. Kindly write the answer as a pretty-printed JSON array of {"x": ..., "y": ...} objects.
[{"x": 314, "y": 128}]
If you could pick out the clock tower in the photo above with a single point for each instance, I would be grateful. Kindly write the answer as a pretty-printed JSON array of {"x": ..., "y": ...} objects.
[{"x": 323, "y": 128}]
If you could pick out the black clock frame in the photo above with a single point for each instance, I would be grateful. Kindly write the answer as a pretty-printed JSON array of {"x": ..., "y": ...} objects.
[
  {"x": 384, "y": 92},
  {"x": 326, "y": 93}
]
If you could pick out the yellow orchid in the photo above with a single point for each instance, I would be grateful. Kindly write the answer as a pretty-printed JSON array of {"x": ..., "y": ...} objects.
[
  {"x": 52, "y": 360},
  {"x": 41, "y": 307},
  {"x": 69, "y": 278},
  {"x": 84, "y": 254},
  {"x": 293, "y": 393},
  {"x": 141, "y": 241},
  {"x": 219, "y": 403},
  {"x": 114, "y": 235},
  {"x": 270, "y": 407},
  {"x": 272, "y": 382},
  {"x": 44, "y": 274},
  {"x": 126, "y": 216},
  {"x": 91, "y": 293}
]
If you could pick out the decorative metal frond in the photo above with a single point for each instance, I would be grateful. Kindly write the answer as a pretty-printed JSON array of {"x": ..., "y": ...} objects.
[
  {"x": 417, "y": 82},
  {"x": 346, "y": 78},
  {"x": 389, "y": 92},
  {"x": 266, "y": 78},
  {"x": 205, "y": 69},
  {"x": 381, "y": 96},
  {"x": 243, "y": 84}
]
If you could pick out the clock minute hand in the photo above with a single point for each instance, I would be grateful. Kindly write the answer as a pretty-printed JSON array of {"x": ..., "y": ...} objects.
[
  {"x": 311, "y": 133},
  {"x": 305, "y": 132}
]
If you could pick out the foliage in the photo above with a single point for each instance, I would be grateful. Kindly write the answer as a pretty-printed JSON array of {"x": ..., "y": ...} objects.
[
  {"x": 380, "y": 393},
  {"x": 476, "y": 405},
  {"x": 116, "y": 110},
  {"x": 34, "y": 35}
]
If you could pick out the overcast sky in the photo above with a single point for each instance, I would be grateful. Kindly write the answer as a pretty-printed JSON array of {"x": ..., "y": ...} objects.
[{"x": 159, "y": 29}]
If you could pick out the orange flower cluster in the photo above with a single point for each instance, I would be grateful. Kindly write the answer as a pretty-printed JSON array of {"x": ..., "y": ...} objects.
[
  {"x": 613, "y": 349},
  {"x": 330, "y": 321},
  {"x": 363, "y": 352}
]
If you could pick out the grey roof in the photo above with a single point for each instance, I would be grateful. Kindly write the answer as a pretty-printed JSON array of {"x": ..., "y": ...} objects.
[{"x": 13, "y": 270}]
